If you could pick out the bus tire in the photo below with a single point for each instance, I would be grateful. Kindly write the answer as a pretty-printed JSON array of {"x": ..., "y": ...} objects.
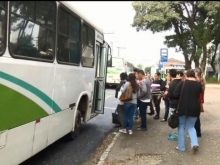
[{"x": 78, "y": 122}]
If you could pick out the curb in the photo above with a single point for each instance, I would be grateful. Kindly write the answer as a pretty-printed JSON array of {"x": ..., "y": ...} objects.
[{"x": 106, "y": 152}]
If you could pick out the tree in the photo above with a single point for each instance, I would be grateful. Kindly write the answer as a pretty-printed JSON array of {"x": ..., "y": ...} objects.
[
  {"x": 192, "y": 22},
  {"x": 147, "y": 69},
  {"x": 213, "y": 9},
  {"x": 140, "y": 66}
]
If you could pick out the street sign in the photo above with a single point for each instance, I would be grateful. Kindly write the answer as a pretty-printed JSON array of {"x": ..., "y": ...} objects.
[
  {"x": 160, "y": 65},
  {"x": 163, "y": 55}
]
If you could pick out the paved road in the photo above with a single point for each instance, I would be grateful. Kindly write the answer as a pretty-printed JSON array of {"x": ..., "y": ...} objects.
[{"x": 78, "y": 151}]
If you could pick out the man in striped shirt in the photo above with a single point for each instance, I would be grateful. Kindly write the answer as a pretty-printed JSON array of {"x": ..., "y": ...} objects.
[{"x": 156, "y": 93}]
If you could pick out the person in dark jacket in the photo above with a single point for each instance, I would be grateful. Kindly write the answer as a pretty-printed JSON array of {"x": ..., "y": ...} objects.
[
  {"x": 164, "y": 87},
  {"x": 174, "y": 82},
  {"x": 188, "y": 93},
  {"x": 119, "y": 109},
  {"x": 199, "y": 76},
  {"x": 169, "y": 93}
]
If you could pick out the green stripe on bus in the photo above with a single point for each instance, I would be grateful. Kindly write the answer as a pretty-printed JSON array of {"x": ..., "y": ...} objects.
[
  {"x": 31, "y": 89},
  {"x": 112, "y": 72},
  {"x": 17, "y": 109}
]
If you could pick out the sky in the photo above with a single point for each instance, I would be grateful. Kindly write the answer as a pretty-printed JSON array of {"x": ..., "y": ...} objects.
[{"x": 116, "y": 17}]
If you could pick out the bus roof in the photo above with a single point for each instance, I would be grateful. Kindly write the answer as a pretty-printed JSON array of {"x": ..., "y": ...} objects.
[{"x": 77, "y": 9}]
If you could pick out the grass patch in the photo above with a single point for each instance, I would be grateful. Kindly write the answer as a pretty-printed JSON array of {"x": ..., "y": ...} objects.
[{"x": 212, "y": 80}]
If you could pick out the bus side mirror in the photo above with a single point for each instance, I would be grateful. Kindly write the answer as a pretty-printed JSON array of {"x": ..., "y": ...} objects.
[{"x": 109, "y": 60}]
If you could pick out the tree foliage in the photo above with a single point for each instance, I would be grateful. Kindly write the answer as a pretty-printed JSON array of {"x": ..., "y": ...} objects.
[
  {"x": 195, "y": 24},
  {"x": 140, "y": 66},
  {"x": 147, "y": 70}
]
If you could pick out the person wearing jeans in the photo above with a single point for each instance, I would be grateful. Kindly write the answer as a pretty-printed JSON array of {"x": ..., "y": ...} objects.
[
  {"x": 186, "y": 122},
  {"x": 128, "y": 114},
  {"x": 136, "y": 113},
  {"x": 169, "y": 94},
  {"x": 129, "y": 106},
  {"x": 188, "y": 109}
]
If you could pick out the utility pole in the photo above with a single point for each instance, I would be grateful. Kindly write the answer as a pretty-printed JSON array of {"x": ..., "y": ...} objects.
[
  {"x": 120, "y": 48},
  {"x": 113, "y": 46}
]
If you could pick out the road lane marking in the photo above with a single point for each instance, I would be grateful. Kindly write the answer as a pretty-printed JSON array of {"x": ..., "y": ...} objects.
[
  {"x": 106, "y": 152},
  {"x": 108, "y": 97}
]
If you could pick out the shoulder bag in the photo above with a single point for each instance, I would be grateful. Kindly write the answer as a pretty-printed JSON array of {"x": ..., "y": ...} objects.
[
  {"x": 127, "y": 95},
  {"x": 173, "y": 120}
]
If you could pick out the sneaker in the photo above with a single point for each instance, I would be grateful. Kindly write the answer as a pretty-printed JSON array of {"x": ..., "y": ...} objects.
[
  {"x": 177, "y": 148},
  {"x": 164, "y": 120},
  {"x": 172, "y": 137},
  {"x": 123, "y": 130},
  {"x": 139, "y": 126},
  {"x": 142, "y": 129},
  {"x": 195, "y": 149},
  {"x": 130, "y": 132}
]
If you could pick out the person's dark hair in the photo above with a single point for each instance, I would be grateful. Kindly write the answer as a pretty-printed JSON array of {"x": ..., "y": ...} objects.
[
  {"x": 180, "y": 73},
  {"x": 199, "y": 72},
  {"x": 123, "y": 76},
  {"x": 173, "y": 73},
  {"x": 157, "y": 73},
  {"x": 191, "y": 73},
  {"x": 135, "y": 70},
  {"x": 141, "y": 72},
  {"x": 134, "y": 85}
]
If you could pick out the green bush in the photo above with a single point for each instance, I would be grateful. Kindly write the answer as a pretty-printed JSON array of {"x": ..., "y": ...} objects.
[{"x": 212, "y": 80}]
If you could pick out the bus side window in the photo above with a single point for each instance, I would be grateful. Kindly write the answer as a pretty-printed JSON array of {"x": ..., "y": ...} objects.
[
  {"x": 88, "y": 35},
  {"x": 68, "y": 38},
  {"x": 32, "y": 34},
  {"x": 2, "y": 26}
]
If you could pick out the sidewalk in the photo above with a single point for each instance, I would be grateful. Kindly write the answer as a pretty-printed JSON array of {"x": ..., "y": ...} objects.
[
  {"x": 151, "y": 147},
  {"x": 213, "y": 85}
]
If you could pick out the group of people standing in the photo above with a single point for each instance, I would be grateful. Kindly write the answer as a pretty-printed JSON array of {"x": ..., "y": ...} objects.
[{"x": 182, "y": 93}]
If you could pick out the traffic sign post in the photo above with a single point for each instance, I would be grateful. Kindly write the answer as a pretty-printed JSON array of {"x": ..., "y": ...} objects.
[
  {"x": 160, "y": 65},
  {"x": 163, "y": 59},
  {"x": 163, "y": 55}
]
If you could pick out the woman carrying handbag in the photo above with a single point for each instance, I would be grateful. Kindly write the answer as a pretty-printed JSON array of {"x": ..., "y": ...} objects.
[
  {"x": 130, "y": 92},
  {"x": 189, "y": 110}
]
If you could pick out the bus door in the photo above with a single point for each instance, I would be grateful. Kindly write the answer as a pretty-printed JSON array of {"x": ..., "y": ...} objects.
[{"x": 100, "y": 79}]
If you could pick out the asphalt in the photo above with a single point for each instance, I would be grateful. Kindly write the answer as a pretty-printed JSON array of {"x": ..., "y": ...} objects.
[
  {"x": 152, "y": 147},
  {"x": 64, "y": 152}
]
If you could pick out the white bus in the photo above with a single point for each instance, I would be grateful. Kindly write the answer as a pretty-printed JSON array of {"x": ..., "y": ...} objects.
[
  {"x": 53, "y": 64},
  {"x": 119, "y": 65}
]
